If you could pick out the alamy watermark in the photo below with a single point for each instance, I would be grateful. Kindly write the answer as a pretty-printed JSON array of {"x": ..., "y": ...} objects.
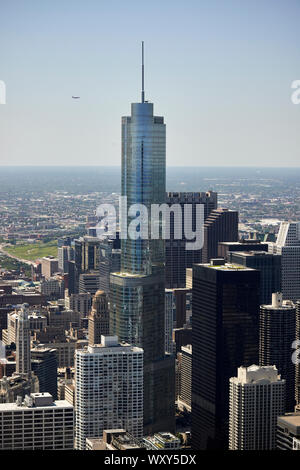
[
  {"x": 2, "y": 92},
  {"x": 138, "y": 222}
]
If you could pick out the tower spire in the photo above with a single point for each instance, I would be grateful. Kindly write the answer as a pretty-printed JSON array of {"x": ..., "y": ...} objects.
[{"x": 143, "y": 91}]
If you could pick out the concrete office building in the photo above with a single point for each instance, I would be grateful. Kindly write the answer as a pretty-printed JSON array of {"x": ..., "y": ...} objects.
[
  {"x": 257, "y": 398},
  {"x": 81, "y": 303},
  {"x": 288, "y": 431},
  {"x": 36, "y": 323},
  {"x": 38, "y": 423},
  {"x": 98, "y": 318},
  {"x": 89, "y": 282},
  {"x": 49, "y": 266}
]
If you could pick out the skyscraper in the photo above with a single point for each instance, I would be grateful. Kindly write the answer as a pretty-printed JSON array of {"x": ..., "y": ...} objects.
[
  {"x": 277, "y": 331},
  {"x": 44, "y": 366},
  {"x": 288, "y": 246},
  {"x": 23, "y": 364},
  {"x": 257, "y": 398},
  {"x": 225, "y": 335},
  {"x": 177, "y": 257},
  {"x": 110, "y": 261},
  {"x": 109, "y": 389},
  {"x": 269, "y": 266},
  {"x": 297, "y": 349},
  {"x": 137, "y": 292},
  {"x": 98, "y": 318},
  {"x": 220, "y": 226}
]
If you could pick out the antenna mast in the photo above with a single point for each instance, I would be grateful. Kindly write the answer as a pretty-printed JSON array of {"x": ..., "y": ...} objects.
[{"x": 143, "y": 91}]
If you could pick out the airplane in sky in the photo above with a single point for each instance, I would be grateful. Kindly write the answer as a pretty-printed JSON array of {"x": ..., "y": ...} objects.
[{"x": 75, "y": 97}]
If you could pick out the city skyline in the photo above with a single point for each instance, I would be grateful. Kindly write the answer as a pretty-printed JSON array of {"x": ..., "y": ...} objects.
[{"x": 229, "y": 74}]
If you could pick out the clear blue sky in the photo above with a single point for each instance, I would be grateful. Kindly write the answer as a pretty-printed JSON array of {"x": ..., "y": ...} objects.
[{"x": 220, "y": 71}]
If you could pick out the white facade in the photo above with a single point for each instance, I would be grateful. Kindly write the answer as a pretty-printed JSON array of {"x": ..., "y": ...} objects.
[
  {"x": 37, "y": 424},
  {"x": 23, "y": 361},
  {"x": 288, "y": 246},
  {"x": 256, "y": 399},
  {"x": 109, "y": 389}
]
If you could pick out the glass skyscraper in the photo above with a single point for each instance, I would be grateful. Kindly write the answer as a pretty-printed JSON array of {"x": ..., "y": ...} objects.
[{"x": 137, "y": 293}]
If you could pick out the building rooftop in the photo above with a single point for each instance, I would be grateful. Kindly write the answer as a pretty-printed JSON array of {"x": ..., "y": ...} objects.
[
  {"x": 291, "y": 418},
  {"x": 226, "y": 266}
]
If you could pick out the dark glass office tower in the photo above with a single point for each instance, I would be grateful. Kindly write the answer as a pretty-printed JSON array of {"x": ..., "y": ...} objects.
[
  {"x": 177, "y": 257},
  {"x": 225, "y": 336},
  {"x": 269, "y": 266},
  {"x": 110, "y": 261},
  {"x": 44, "y": 366},
  {"x": 220, "y": 226},
  {"x": 137, "y": 294},
  {"x": 276, "y": 334}
]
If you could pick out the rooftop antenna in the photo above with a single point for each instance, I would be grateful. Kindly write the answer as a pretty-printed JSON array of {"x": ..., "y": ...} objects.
[{"x": 143, "y": 91}]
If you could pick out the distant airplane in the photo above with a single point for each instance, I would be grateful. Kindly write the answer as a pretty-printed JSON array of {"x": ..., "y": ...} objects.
[{"x": 75, "y": 97}]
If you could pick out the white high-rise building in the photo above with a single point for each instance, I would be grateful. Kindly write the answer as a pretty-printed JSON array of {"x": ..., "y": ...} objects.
[
  {"x": 288, "y": 246},
  {"x": 256, "y": 399},
  {"x": 23, "y": 362},
  {"x": 37, "y": 423},
  {"x": 109, "y": 389}
]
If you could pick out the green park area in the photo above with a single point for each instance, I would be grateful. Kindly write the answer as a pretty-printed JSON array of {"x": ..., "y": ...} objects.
[{"x": 32, "y": 251}]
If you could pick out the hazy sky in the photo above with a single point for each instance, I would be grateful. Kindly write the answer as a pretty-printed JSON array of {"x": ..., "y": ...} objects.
[{"x": 220, "y": 71}]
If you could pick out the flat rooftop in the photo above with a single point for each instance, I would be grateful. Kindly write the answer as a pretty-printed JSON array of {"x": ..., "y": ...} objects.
[
  {"x": 227, "y": 267},
  {"x": 14, "y": 407},
  {"x": 293, "y": 418}
]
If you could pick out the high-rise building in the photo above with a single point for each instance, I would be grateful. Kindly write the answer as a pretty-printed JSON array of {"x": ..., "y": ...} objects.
[
  {"x": 86, "y": 253},
  {"x": 178, "y": 312},
  {"x": 243, "y": 245},
  {"x": 225, "y": 335},
  {"x": 178, "y": 258},
  {"x": 36, "y": 322},
  {"x": 79, "y": 303},
  {"x": 220, "y": 226},
  {"x": 269, "y": 266},
  {"x": 110, "y": 261},
  {"x": 185, "y": 395},
  {"x": 23, "y": 361},
  {"x": 109, "y": 389},
  {"x": 53, "y": 288},
  {"x": 288, "y": 246},
  {"x": 297, "y": 338},
  {"x": 288, "y": 432},
  {"x": 89, "y": 282},
  {"x": 49, "y": 266},
  {"x": 257, "y": 398},
  {"x": 44, "y": 366},
  {"x": 277, "y": 331},
  {"x": 64, "y": 255},
  {"x": 98, "y": 318},
  {"x": 137, "y": 293},
  {"x": 38, "y": 423}
]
